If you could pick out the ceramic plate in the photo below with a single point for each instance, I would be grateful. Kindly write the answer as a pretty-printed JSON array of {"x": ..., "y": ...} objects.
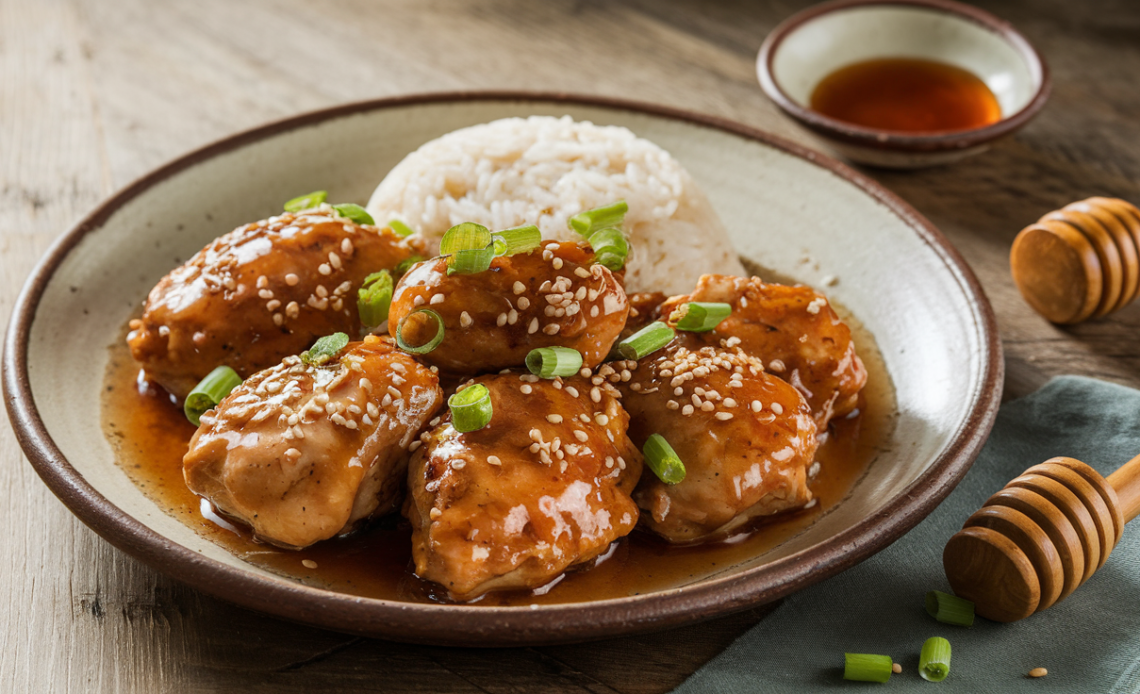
[{"x": 782, "y": 204}]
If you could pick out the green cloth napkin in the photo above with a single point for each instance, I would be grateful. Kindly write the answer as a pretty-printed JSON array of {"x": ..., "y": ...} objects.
[{"x": 1090, "y": 642}]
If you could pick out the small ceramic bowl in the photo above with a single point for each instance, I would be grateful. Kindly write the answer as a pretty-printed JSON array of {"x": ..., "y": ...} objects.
[{"x": 812, "y": 44}]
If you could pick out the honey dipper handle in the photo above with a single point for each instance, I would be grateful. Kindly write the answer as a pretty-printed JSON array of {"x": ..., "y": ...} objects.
[{"x": 1126, "y": 482}]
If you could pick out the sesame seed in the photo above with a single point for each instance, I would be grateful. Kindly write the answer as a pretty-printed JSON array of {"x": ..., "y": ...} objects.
[
  {"x": 346, "y": 246},
  {"x": 777, "y": 408},
  {"x": 671, "y": 405},
  {"x": 265, "y": 294},
  {"x": 602, "y": 420},
  {"x": 518, "y": 288},
  {"x": 273, "y": 305},
  {"x": 547, "y": 255},
  {"x": 512, "y": 317},
  {"x": 324, "y": 269},
  {"x": 594, "y": 312},
  {"x": 536, "y": 435},
  {"x": 687, "y": 410},
  {"x": 501, "y": 320},
  {"x": 278, "y": 319},
  {"x": 585, "y": 372},
  {"x": 321, "y": 291},
  {"x": 526, "y": 389},
  {"x": 293, "y": 454},
  {"x": 494, "y": 460},
  {"x": 582, "y": 272},
  {"x": 609, "y": 461},
  {"x": 292, "y": 279},
  {"x": 554, "y": 418},
  {"x": 334, "y": 260},
  {"x": 435, "y": 513},
  {"x": 292, "y": 309},
  {"x": 436, "y": 299},
  {"x": 729, "y": 402},
  {"x": 399, "y": 368},
  {"x": 262, "y": 282},
  {"x": 707, "y": 406},
  {"x": 723, "y": 416},
  {"x": 367, "y": 385},
  {"x": 458, "y": 464},
  {"x": 557, "y": 263},
  {"x": 678, "y": 391},
  {"x": 596, "y": 394},
  {"x": 393, "y": 392},
  {"x": 351, "y": 423},
  {"x": 418, "y": 301},
  {"x": 572, "y": 391},
  {"x": 414, "y": 445},
  {"x": 776, "y": 365},
  {"x": 398, "y": 379},
  {"x": 551, "y": 329},
  {"x": 524, "y": 303},
  {"x": 308, "y": 563}
]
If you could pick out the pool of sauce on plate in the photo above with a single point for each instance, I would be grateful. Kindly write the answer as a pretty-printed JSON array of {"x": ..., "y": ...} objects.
[
  {"x": 150, "y": 435},
  {"x": 907, "y": 95}
]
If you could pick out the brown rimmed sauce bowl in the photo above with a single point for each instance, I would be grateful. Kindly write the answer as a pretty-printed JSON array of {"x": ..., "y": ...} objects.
[
  {"x": 793, "y": 211},
  {"x": 812, "y": 44}
]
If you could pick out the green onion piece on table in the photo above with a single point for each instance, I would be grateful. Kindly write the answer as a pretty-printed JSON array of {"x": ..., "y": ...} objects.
[
  {"x": 325, "y": 349},
  {"x": 209, "y": 392},
  {"x": 934, "y": 660},
  {"x": 700, "y": 317},
  {"x": 426, "y": 347},
  {"x": 548, "y": 362},
  {"x": 517, "y": 240},
  {"x": 400, "y": 228},
  {"x": 471, "y": 260},
  {"x": 865, "y": 667},
  {"x": 407, "y": 263},
  {"x": 374, "y": 298},
  {"x": 586, "y": 223},
  {"x": 354, "y": 212},
  {"x": 663, "y": 460},
  {"x": 646, "y": 341},
  {"x": 306, "y": 201},
  {"x": 470, "y": 408},
  {"x": 950, "y": 609},
  {"x": 610, "y": 248}
]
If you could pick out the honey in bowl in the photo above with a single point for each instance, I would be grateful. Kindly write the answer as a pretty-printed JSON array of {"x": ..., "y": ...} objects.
[{"x": 907, "y": 95}]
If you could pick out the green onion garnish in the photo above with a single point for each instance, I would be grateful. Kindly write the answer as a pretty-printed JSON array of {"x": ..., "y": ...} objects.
[
  {"x": 407, "y": 263},
  {"x": 354, "y": 212},
  {"x": 663, "y": 460},
  {"x": 374, "y": 298},
  {"x": 468, "y": 235},
  {"x": 864, "y": 667},
  {"x": 950, "y": 609},
  {"x": 700, "y": 317},
  {"x": 470, "y": 408},
  {"x": 471, "y": 260},
  {"x": 517, "y": 240},
  {"x": 427, "y": 346},
  {"x": 934, "y": 661},
  {"x": 309, "y": 200},
  {"x": 610, "y": 248},
  {"x": 400, "y": 228},
  {"x": 586, "y": 223},
  {"x": 209, "y": 392},
  {"x": 548, "y": 362},
  {"x": 324, "y": 349},
  {"x": 646, "y": 341}
]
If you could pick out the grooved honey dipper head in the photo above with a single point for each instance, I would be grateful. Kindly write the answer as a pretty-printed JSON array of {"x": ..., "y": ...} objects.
[
  {"x": 1079, "y": 262},
  {"x": 1035, "y": 541}
]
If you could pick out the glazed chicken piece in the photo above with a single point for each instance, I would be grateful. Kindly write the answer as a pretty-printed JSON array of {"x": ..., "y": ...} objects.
[
  {"x": 552, "y": 296},
  {"x": 794, "y": 331},
  {"x": 302, "y": 453},
  {"x": 545, "y": 486},
  {"x": 746, "y": 439},
  {"x": 644, "y": 308},
  {"x": 258, "y": 294}
]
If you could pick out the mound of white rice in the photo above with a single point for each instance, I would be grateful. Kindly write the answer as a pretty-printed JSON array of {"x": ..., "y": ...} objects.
[{"x": 543, "y": 170}]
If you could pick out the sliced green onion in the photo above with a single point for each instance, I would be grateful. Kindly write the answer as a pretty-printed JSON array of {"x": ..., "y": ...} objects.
[
  {"x": 465, "y": 236},
  {"x": 934, "y": 660},
  {"x": 663, "y": 460},
  {"x": 407, "y": 263},
  {"x": 471, "y": 260},
  {"x": 864, "y": 667},
  {"x": 400, "y": 228},
  {"x": 427, "y": 346},
  {"x": 950, "y": 609},
  {"x": 548, "y": 362},
  {"x": 610, "y": 248},
  {"x": 306, "y": 201},
  {"x": 586, "y": 223},
  {"x": 646, "y": 341},
  {"x": 700, "y": 317},
  {"x": 374, "y": 298},
  {"x": 325, "y": 349},
  {"x": 470, "y": 408},
  {"x": 209, "y": 392},
  {"x": 517, "y": 240},
  {"x": 354, "y": 212}
]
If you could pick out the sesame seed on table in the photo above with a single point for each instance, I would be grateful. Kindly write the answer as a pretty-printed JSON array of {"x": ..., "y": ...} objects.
[{"x": 101, "y": 93}]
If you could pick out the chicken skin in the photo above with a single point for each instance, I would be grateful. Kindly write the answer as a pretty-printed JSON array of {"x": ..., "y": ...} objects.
[
  {"x": 552, "y": 296},
  {"x": 543, "y": 487},
  {"x": 746, "y": 438},
  {"x": 794, "y": 331},
  {"x": 301, "y": 452},
  {"x": 258, "y": 294}
]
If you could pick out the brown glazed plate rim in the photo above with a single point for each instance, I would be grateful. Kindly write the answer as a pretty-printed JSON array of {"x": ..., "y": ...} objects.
[
  {"x": 497, "y": 626},
  {"x": 892, "y": 139}
]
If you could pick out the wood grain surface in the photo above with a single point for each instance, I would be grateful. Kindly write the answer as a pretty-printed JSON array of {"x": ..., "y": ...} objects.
[{"x": 95, "y": 93}]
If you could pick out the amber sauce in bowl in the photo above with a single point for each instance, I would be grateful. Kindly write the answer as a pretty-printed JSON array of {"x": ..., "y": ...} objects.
[
  {"x": 150, "y": 435},
  {"x": 906, "y": 95}
]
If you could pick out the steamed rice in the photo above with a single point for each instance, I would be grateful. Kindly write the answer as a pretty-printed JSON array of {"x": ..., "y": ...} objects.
[{"x": 543, "y": 170}]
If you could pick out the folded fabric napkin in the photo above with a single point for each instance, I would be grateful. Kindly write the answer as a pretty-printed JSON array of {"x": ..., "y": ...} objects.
[{"x": 1089, "y": 642}]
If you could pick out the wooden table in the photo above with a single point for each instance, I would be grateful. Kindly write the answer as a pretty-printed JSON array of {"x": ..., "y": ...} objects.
[{"x": 94, "y": 94}]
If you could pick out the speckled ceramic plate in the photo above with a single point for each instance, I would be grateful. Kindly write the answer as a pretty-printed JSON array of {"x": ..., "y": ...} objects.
[{"x": 781, "y": 203}]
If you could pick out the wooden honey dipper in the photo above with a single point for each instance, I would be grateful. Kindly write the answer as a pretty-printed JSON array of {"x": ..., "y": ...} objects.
[
  {"x": 1080, "y": 262},
  {"x": 1039, "y": 538}
]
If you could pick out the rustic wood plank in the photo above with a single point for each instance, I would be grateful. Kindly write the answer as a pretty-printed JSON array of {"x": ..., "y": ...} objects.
[{"x": 93, "y": 94}]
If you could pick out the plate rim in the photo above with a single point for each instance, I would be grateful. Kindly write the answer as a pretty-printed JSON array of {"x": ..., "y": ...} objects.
[{"x": 496, "y": 626}]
